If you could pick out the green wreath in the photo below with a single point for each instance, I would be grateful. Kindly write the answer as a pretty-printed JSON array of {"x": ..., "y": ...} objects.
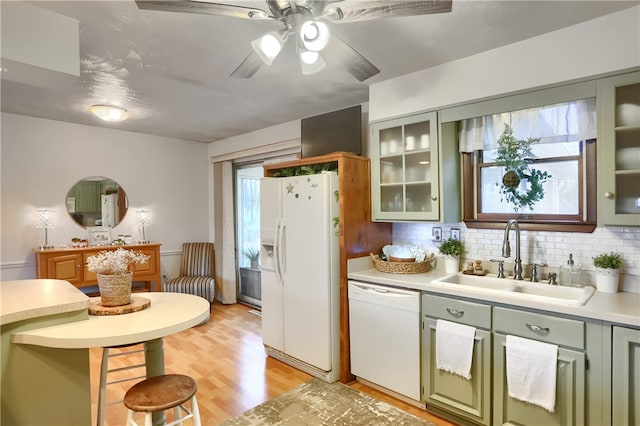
[{"x": 515, "y": 156}]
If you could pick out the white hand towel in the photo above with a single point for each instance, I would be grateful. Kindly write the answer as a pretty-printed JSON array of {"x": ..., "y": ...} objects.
[
  {"x": 531, "y": 371},
  {"x": 454, "y": 347}
]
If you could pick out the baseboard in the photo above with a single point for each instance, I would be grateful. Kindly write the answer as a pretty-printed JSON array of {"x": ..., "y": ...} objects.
[
  {"x": 327, "y": 376},
  {"x": 389, "y": 392}
]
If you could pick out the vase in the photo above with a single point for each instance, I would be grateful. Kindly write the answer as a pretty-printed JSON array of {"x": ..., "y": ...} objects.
[
  {"x": 115, "y": 289},
  {"x": 451, "y": 264},
  {"x": 607, "y": 280}
]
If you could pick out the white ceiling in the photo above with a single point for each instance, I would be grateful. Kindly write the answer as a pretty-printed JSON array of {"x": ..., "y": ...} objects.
[{"x": 171, "y": 69}]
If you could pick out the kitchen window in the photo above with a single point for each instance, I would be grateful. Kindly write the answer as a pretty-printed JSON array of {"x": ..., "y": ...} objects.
[{"x": 565, "y": 149}]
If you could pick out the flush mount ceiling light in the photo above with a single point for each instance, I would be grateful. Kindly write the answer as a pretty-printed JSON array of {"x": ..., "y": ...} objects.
[
  {"x": 306, "y": 19},
  {"x": 109, "y": 112}
]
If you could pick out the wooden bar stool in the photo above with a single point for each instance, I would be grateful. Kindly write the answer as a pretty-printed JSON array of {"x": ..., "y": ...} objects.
[
  {"x": 161, "y": 393},
  {"x": 105, "y": 371}
]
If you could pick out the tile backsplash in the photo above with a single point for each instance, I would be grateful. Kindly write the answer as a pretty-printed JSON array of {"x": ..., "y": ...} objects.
[{"x": 550, "y": 248}]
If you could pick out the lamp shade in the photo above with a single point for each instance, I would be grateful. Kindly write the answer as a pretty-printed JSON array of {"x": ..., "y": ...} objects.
[
  {"x": 268, "y": 46},
  {"x": 143, "y": 217},
  {"x": 310, "y": 62},
  {"x": 45, "y": 218}
]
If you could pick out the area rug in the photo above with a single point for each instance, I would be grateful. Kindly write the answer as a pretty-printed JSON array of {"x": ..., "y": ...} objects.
[{"x": 317, "y": 403}]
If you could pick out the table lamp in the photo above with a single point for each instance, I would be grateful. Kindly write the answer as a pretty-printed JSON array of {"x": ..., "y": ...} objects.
[
  {"x": 143, "y": 218},
  {"x": 45, "y": 219}
]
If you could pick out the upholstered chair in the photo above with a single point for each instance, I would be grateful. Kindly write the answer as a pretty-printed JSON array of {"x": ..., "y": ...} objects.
[{"x": 197, "y": 271}]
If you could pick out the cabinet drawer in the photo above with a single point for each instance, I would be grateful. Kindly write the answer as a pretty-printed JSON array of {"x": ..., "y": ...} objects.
[
  {"x": 460, "y": 311},
  {"x": 546, "y": 328}
]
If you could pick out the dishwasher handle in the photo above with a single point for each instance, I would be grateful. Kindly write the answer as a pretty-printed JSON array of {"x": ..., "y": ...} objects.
[{"x": 375, "y": 289}]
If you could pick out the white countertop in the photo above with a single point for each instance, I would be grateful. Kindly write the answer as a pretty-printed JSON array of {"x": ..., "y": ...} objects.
[
  {"x": 26, "y": 299},
  {"x": 620, "y": 308},
  {"x": 168, "y": 313}
]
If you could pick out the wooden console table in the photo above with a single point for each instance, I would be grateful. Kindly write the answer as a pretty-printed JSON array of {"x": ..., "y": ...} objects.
[{"x": 70, "y": 264}]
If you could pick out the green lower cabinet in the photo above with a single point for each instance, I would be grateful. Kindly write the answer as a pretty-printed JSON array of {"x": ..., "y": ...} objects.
[
  {"x": 626, "y": 376},
  {"x": 570, "y": 392},
  {"x": 467, "y": 399}
]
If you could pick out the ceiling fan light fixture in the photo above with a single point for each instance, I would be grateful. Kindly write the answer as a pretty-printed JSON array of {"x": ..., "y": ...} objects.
[
  {"x": 109, "y": 113},
  {"x": 311, "y": 62},
  {"x": 314, "y": 35},
  {"x": 268, "y": 46}
]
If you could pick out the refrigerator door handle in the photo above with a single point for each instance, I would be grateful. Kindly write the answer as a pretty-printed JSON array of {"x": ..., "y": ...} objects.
[
  {"x": 277, "y": 248},
  {"x": 282, "y": 266}
]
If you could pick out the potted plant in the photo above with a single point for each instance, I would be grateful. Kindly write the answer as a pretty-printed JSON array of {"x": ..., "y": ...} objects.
[
  {"x": 253, "y": 256},
  {"x": 451, "y": 249},
  {"x": 607, "y": 271},
  {"x": 114, "y": 271},
  {"x": 515, "y": 155}
]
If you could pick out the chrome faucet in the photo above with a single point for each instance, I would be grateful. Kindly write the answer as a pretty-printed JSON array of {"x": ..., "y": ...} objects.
[{"x": 506, "y": 248}]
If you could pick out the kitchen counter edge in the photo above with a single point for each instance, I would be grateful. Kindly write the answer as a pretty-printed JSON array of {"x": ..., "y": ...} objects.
[
  {"x": 26, "y": 299},
  {"x": 619, "y": 308}
]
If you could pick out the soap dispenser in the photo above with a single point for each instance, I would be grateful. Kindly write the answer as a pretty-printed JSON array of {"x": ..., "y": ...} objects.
[{"x": 570, "y": 273}]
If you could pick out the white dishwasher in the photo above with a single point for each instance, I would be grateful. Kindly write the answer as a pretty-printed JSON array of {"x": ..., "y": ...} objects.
[{"x": 384, "y": 327}]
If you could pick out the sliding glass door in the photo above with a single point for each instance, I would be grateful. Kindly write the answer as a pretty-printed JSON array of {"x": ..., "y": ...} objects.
[{"x": 247, "y": 196}]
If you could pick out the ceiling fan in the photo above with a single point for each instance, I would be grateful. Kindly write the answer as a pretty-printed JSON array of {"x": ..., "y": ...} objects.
[{"x": 305, "y": 22}]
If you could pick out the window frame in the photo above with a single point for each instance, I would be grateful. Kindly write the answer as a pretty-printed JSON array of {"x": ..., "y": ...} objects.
[{"x": 585, "y": 221}]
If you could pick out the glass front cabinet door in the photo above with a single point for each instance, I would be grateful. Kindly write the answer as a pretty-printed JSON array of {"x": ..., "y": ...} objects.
[
  {"x": 404, "y": 164},
  {"x": 618, "y": 101}
]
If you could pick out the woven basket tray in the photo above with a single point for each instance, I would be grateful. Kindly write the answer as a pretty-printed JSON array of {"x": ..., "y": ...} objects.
[{"x": 402, "y": 267}]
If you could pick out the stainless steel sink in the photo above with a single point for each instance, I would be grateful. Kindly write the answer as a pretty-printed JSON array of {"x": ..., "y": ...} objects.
[{"x": 521, "y": 290}]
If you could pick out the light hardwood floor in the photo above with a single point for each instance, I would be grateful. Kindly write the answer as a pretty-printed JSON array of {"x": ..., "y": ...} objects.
[{"x": 227, "y": 359}]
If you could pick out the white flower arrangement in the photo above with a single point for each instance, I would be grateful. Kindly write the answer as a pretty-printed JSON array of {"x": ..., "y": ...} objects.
[{"x": 111, "y": 262}]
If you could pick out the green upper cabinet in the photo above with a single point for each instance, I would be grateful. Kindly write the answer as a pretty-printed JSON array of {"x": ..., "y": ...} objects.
[
  {"x": 406, "y": 168},
  {"x": 618, "y": 101}
]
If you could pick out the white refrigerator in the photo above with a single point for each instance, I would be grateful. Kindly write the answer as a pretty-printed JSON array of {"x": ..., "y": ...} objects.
[
  {"x": 300, "y": 272},
  {"x": 109, "y": 210}
]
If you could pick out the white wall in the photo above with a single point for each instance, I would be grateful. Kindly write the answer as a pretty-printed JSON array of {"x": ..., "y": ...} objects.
[
  {"x": 281, "y": 132},
  {"x": 599, "y": 46},
  {"x": 42, "y": 159}
]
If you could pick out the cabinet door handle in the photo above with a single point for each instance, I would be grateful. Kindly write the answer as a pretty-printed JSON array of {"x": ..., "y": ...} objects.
[
  {"x": 609, "y": 195},
  {"x": 456, "y": 313},
  {"x": 434, "y": 198},
  {"x": 538, "y": 329}
]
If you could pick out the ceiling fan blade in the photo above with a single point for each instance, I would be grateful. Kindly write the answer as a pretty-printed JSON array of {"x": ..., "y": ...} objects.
[
  {"x": 356, "y": 64},
  {"x": 193, "y": 6},
  {"x": 363, "y": 10},
  {"x": 247, "y": 68}
]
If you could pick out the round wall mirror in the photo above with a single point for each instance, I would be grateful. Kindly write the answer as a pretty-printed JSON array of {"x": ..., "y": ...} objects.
[{"x": 97, "y": 201}]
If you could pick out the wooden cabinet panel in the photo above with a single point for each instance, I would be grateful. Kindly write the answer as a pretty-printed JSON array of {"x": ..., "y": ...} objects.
[
  {"x": 468, "y": 399},
  {"x": 70, "y": 264},
  {"x": 570, "y": 391},
  {"x": 542, "y": 327},
  {"x": 66, "y": 267},
  {"x": 626, "y": 376}
]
